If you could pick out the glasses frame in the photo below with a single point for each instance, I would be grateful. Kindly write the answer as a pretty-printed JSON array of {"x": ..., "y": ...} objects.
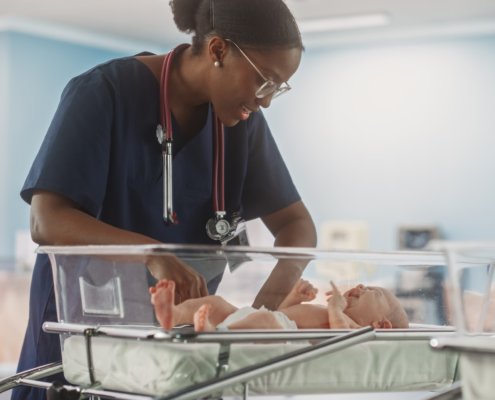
[{"x": 269, "y": 87}]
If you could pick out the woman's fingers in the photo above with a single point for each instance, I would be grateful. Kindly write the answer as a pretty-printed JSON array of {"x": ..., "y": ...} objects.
[
  {"x": 196, "y": 285},
  {"x": 189, "y": 284},
  {"x": 203, "y": 288},
  {"x": 193, "y": 285}
]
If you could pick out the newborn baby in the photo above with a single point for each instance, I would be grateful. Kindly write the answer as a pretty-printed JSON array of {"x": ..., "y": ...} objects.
[{"x": 357, "y": 307}]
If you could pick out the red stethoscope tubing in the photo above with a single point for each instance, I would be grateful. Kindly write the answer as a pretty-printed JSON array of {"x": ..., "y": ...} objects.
[
  {"x": 165, "y": 115},
  {"x": 218, "y": 167},
  {"x": 218, "y": 176}
]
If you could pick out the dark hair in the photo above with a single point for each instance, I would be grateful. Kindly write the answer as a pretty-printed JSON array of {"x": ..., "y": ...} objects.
[{"x": 260, "y": 24}]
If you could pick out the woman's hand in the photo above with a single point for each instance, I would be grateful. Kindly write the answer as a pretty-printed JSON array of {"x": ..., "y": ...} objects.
[
  {"x": 188, "y": 283},
  {"x": 291, "y": 226},
  {"x": 53, "y": 218}
]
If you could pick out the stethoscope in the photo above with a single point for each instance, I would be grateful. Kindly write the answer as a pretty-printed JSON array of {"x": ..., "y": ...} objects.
[{"x": 217, "y": 227}]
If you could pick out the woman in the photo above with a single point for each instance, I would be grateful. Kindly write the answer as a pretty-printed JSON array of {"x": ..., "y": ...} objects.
[{"x": 99, "y": 175}]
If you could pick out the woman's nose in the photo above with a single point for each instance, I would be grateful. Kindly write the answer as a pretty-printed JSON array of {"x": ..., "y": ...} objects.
[{"x": 264, "y": 101}]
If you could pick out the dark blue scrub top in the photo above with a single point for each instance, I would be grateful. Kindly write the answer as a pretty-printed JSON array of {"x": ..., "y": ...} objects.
[{"x": 101, "y": 152}]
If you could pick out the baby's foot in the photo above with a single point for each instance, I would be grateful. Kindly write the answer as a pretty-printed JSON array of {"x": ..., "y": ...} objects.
[
  {"x": 302, "y": 291},
  {"x": 202, "y": 321},
  {"x": 162, "y": 298}
]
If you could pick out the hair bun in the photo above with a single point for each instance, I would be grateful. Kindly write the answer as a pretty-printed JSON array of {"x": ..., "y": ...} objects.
[
  {"x": 184, "y": 12},
  {"x": 254, "y": 23}
]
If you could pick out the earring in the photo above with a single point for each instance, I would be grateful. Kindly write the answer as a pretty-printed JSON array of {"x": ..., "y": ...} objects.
[{"x": 217, "y": 64}]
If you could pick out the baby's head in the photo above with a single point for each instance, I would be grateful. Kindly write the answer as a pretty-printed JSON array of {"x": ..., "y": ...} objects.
[{"x": 376, "y": 306}]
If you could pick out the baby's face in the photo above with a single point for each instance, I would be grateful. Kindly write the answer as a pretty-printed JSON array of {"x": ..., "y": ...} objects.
[{"x": 367, "y": 304}]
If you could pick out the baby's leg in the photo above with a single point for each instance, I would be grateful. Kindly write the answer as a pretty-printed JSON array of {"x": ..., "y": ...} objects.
[
  {"x": 202, "y": 321},
  {"x": 302, "y": 291},
  {"x": 257, "y": 320},
  {"x": 169, "y": 314},
  {"x": 162, "y": 298}
]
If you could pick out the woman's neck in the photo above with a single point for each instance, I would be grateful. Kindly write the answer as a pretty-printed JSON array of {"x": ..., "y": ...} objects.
[
  {"x": 187, "y": 96},
  {"x": 188, "y": 86}
]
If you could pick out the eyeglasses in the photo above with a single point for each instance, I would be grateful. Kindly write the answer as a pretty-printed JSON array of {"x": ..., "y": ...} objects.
[{"x": 268, "y": 87}]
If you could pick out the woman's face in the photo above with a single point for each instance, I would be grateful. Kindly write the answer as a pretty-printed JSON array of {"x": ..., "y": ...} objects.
[{"x": 233, "y": 93}]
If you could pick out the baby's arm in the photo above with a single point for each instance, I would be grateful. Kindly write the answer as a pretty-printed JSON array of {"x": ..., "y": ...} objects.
[
  {"x": 302, "y": 291},
  {"x": 336, "y": 306}
]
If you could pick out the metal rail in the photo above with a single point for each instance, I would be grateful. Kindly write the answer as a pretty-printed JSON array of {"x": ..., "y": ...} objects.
[
  {"x": 238, "y": 336},
  {"x": 34, "y": 373},
  {"x": 106, "y": 394},
  {"x": 454, "y": 392},
  {"x": 246, "y": 374}
]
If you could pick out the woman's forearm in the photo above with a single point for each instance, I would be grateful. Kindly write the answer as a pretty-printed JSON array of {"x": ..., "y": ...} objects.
[{"x": 57, "y": 221}]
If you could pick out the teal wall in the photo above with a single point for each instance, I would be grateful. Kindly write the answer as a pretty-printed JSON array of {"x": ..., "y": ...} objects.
[
  {"x": 4, "y": 137},
  {"x": 395, "y": 134},
  {"x": 36, "y": 70}
]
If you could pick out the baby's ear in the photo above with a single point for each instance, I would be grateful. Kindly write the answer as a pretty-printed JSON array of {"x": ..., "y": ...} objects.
[{"x": 384, "y": 323}]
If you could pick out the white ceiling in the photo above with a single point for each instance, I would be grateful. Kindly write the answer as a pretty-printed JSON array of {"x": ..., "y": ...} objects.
[{"x": 150, "y": 21}]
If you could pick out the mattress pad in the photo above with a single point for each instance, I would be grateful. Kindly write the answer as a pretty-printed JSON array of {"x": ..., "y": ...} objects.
[{"x": 159, "y": 368}]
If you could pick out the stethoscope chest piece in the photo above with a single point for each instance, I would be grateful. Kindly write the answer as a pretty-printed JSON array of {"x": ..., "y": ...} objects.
[{"x": 218, "y": 227}]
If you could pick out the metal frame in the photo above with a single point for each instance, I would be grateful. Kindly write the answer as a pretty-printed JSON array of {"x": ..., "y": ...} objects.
[
  {"x": 34, "y": 373},
  {"x": 331, "y": 341},
  {"x": 454, "y": 392},
  {"x": 210, "y": 387}
]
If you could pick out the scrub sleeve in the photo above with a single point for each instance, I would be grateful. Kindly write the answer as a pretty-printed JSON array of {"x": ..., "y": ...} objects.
[{"x": 101, "y": 152}]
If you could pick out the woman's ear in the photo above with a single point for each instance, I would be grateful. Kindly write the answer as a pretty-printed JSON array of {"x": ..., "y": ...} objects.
[
  {"x": 216, "y": 49},
  {"x": 384, "y": 323}
]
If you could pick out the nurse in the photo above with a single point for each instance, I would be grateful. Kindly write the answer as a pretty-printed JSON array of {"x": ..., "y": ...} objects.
[{"x": 103, "y": 174}]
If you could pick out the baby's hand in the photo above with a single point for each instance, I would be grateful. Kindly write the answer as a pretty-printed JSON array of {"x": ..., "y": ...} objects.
[
  {"x": 301, "y": 292},
  {"x": 336, "y": 301},
  {"x": 306, "y": 290}
]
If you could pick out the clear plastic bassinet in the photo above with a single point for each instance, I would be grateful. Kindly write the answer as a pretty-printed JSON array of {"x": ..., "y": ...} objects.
[{"x": 110, "y": 337}]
